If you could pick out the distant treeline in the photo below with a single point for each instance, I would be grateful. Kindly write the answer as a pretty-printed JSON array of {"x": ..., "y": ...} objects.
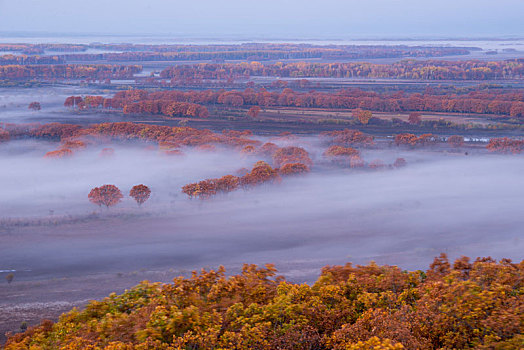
[
  {"x": 262, "y": 51},
  {"x": 406, "y": 69},
  {"x": 69, "y": 71}
]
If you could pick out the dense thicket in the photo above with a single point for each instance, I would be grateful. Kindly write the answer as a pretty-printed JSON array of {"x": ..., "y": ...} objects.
[{"x": 463, "y": 305}]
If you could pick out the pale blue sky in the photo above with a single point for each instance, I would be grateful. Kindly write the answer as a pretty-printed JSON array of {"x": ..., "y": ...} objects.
[{"x": 268, "y": 18}]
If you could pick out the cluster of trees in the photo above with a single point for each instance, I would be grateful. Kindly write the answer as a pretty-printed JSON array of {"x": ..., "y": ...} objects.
[
  {"x": 25, "y": 59},
  {"x": 74, "y": 136},
  {"x": 453, "y": 305},
  {"x": 406, "y": 69},
  {"x": 340, "y": 151},
  {"x": 110, "y": 195},
  {"x": 348, "y": 137},
  {"x": 505, "y": 145},
  {"x": 510, "y": 103},
  {"x": 414, "y": 140},
  {"x": 38, "y": 49},
  {"x": 68, "y": 71},
  {"x": 261, "y": 173},
  {"x": 349, "y": 156},
  {"x": 143, "y": 106}
]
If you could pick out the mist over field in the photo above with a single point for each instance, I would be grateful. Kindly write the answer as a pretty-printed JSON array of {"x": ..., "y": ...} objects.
[{"x": 463, "y": 205}]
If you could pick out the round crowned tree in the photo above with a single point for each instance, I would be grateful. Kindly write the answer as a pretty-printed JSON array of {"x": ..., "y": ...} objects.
[
  {"x": 107, "y": 195},
  {"x": 140, "y": 193}
]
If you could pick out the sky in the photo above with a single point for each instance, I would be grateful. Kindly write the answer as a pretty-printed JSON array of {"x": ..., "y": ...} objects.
[{"x": 342, "y": 19}]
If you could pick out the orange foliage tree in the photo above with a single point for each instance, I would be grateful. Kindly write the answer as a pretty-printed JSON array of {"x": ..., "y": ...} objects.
[
  {"x": 362, "y": 115},
  {"x": 414, "y": 140},
  {"x": 340, "y": 151},
  {"x": 456, "y": 141},
  {"x": 254, "y": 111},
  {"x": 293, "y": 169},
  {"x": 60, "y": 153},
  {"x": 292, "y": 154},
  {"x": 505, "y": 145}
]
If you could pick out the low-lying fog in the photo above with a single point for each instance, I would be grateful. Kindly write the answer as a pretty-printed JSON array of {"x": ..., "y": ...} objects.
[
  {"x": 462, "y": 205},
  {"x": 14, "y": 103}
]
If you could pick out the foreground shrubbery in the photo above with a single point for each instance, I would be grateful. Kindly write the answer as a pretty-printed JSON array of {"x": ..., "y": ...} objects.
[{"x": 467, "y": 305}]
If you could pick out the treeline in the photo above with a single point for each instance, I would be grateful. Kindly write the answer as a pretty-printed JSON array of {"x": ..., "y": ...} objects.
[
  {"x": 161, "y": 106},
  {"x": 249, "y": 51},
  {"x": 266, "y": 52},
  {"x": 39, "y": 49},
  {"x": 69, "y": 71},
  {"x": 166, "y": 136},
  {"x": 453, "y": 305},
  {"x": 25, "y": 59},
  {"x": 406, "y": 69},
  {"x": 481, "y": 101}
]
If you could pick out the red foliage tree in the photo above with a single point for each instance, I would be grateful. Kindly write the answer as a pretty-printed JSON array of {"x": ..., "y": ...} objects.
[
  {"x": 415, "y": 118},
  {"x": 35, "y": 106},
  {"x": 107, "y": 195},
  {"x": 4, "y": 135},
  {"x": 73, "y": 101},
  {"x": 254, "y": 111},
  {"x": 140, "y": 193}
]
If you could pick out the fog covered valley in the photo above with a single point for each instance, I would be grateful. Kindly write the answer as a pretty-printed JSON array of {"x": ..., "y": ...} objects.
[{"x": 438, "y": 202}]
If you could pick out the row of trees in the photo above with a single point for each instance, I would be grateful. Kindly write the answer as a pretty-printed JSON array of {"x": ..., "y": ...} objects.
[
  {"x": 162, "y": 107},
  {"x": 110, "y": 195},
  {"x": 260, "y": 173},
  {"x": 463, "y": 304},
  {"x": 68, "y": 71},
  {"x": 169, "y": 137},
  {"x": 413, "y": 140},
  {"x": 509, "y": 103},
  {"x": 285, "y": 48},
  {"x": 406, "y": 69},
  {"x": 259, "y": 51}
]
